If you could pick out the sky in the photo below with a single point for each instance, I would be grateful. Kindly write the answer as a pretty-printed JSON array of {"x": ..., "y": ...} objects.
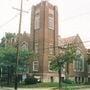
[{"x": 74, "y": 17}]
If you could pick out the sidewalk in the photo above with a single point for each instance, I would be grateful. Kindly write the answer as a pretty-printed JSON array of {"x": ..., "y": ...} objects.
[{"x": 4, "y": 88}]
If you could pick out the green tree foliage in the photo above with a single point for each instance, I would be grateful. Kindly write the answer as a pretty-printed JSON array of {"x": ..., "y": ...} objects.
[
  {"x": 7, "y": 55},
  {"x": 10, "y": 35},
  {"x": 8, "y": 60},
  {"x": 2, "y": 44},
  {"x": 67, "y": 55}
]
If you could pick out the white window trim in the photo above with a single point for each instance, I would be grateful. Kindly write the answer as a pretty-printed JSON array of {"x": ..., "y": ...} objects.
[{"x": 34, "y": 67}]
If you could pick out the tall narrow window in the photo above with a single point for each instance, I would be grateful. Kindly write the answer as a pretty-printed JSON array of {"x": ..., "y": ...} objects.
[
  {"x": 37, "y": 21},
  {"x": 24, "y": 46},
  {"x": 36, "y": 47},
  {"x": 79, "y": 62},
  {"x": 51, "y": 22},
  {"x": 35, "y": 65}
]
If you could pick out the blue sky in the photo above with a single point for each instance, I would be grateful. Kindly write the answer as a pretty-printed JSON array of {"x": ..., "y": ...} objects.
[{"x": 74, "y": 17}]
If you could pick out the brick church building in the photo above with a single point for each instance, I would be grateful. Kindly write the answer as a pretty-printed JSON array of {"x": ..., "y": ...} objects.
[{"x": 44, "y": 39}]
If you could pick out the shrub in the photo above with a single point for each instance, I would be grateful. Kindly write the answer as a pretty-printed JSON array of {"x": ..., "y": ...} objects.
[
  {"x": 30, "y": 80},
  {"x": 68, "y": 81}
]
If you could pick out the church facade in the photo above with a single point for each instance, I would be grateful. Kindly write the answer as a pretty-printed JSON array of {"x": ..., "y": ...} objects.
[{"x": 44, "y": 41}]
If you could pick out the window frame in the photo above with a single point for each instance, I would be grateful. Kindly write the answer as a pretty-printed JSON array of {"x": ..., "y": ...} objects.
[
  {"x": 37, "y": 21},
  {"x": 51, "y": 21},
  {"x": 36, "y": 65}
]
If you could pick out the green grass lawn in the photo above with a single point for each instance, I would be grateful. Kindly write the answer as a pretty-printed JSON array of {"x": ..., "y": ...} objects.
[
  {"x": 40, "y": 85},
  {"x": 48, "y": 85},
  {"x": 53, "y": 85}
]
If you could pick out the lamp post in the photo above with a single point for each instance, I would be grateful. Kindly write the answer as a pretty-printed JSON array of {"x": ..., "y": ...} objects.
[{"x": 18, "y": 44}]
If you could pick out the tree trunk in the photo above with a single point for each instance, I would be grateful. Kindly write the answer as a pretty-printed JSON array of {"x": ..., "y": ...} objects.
[
  {"x": 67, "y": 70},
  {"x": 59, "y": 73}
]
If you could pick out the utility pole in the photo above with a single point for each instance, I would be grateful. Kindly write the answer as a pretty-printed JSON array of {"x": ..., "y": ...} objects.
[{"x": 18, "y": 45}]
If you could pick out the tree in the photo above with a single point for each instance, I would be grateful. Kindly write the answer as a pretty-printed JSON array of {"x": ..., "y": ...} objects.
[
  {"x": 7, "y": 63},
  {"x": 8, "y": 37},
  {"x": 67, "y": 55},
  {"x": 2, "y": 44},
  {"x": 8, "y": 60}
]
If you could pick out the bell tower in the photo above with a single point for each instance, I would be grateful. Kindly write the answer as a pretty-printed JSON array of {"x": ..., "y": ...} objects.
[{"x": 44, "y": 38}]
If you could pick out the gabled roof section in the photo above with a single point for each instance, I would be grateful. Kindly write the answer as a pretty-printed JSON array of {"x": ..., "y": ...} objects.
[
  {"x": 68, "y": 40},
  {"x": 76, "y": 40}
]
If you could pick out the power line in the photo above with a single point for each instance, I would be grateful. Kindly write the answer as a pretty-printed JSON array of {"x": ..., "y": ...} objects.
[
  {"x": 11, "y": 19},
  {"x": 85, "y": 41},
  {"x": 73, "y": 17},
  {"x": 60, "y": 46},
  {"x": 19, "y": 10},
  {"x": 7, "y": 22},
  {"x": 38, "y": 41}
]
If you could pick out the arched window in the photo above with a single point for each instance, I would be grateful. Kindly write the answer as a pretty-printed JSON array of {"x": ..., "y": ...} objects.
[
  {"x": 79, "y": 62},
  {"x": 24, "y": 45}
]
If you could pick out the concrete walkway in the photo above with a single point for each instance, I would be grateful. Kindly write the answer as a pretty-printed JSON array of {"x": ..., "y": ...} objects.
[
  {"x": 4, "y": 88},
  {"x": 84, "y": 89}
]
